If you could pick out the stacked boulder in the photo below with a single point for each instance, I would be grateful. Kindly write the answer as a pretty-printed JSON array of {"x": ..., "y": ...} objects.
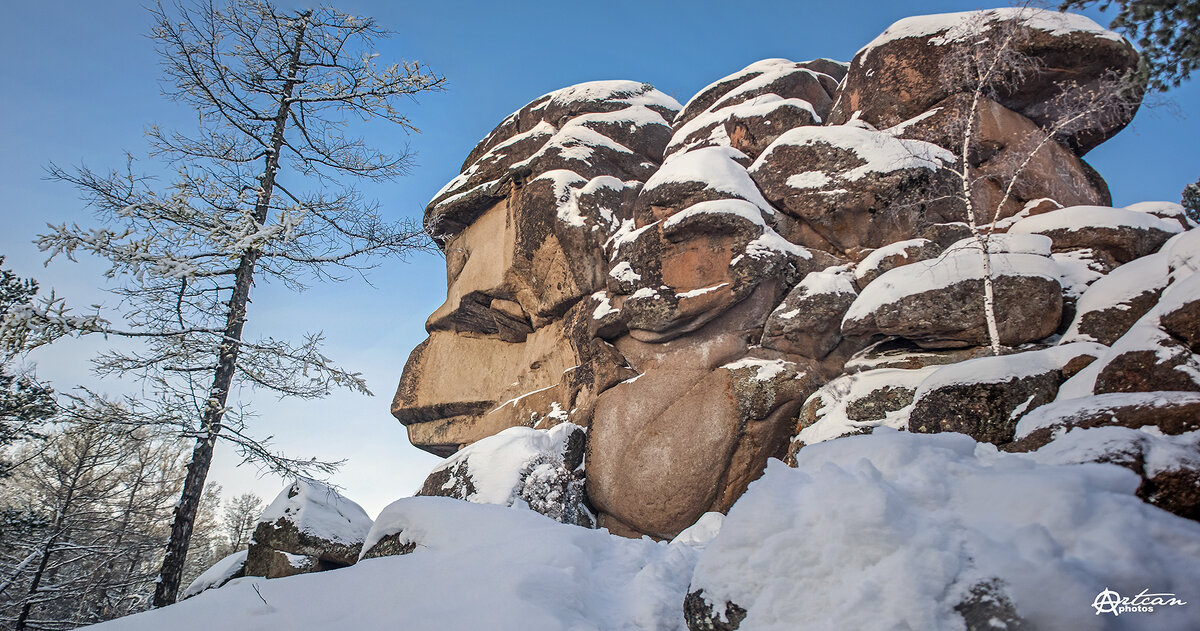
[
  {"x": 647, "y": 302},
  {"x": 802, "y": 252}
]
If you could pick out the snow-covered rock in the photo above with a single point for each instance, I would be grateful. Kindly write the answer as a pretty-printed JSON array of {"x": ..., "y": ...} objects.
[
  {"x": 1110, "y": 306},
  {"x": 857, "y": 403},
  {"x": 808, "y": 321},
  {"x": 228, "y": 568},
  {"x": 939, "y": 303},
  {"x": 892, "y": 256},
  {"x": 856, "y": 186},
  {"x": 310, "y": 527},
  {"x": 900, "y": 74},
  {"x": 539, "y": 469},
  {"x": 986, "y": 397},
  {"x": 1121, "y": 233}
]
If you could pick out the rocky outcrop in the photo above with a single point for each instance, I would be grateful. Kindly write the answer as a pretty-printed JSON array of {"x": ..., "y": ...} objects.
[{"x": 788, "y": 259}]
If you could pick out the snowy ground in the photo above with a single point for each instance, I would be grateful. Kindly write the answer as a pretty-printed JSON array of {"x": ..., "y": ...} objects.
[{"x": 886, "y": 531}]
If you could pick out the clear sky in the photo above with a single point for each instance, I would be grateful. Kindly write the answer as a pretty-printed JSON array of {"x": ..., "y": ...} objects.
[{"x": 79, "y": 83}]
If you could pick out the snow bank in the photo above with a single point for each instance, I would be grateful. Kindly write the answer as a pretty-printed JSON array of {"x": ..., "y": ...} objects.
[
  {"x": 217, "y": 575},
  {"x": 477, "y": 566},
  {"x": 891, "y": 530},
  {"x": 318, "y": 510},
  {"x": 887, "y": 531}
]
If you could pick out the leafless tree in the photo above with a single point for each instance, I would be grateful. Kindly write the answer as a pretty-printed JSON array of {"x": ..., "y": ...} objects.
[
  {"x": 987, "y": 66},
  {"x": 103, "y": 494},
  {"x": 240, "y": 518}
]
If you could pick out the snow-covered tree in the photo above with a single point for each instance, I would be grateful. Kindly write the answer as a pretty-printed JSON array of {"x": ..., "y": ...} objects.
[
  {"x": 239, "y": 520},
  {"x": 102, "y": 495},
  {"x": 24, "y": 403},
  {"x": 260, "y": 194}
]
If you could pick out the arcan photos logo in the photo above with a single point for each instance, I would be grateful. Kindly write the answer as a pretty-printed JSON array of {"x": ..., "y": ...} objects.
[{"x": 1109, "y": 601}]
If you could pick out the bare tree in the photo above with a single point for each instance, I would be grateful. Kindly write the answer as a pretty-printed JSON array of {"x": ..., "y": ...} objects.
[
  {"x": 260, "y": 194},
  {"x": 986, "y": 66},
  {"x": 103, "y": 496},
  {"x": 240, "y": 518}
]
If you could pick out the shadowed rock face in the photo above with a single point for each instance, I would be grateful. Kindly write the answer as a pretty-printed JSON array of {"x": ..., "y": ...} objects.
[{"x": 681, "y": 280}]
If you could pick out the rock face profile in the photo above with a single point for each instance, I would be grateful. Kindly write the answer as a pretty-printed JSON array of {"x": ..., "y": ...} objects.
[
  {"x": 789, "y": 257},
  {"x": 837, "y": 336}
]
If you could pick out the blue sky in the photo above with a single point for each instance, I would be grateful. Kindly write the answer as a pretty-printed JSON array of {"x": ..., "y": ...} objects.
[{"x": 80, "y": 83}]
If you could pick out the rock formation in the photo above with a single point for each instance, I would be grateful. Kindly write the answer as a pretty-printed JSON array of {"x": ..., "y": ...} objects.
[
  {"x": 786, "y": 259},
  {"x": 649, "y": 302}
]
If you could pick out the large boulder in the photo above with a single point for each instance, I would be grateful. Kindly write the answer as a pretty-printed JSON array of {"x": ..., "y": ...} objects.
[
  {"x": 855, "y": 186},
  {"x": 940, "y": 303},
  {"x": 1122, "y": 234},
  {"x": 912, "y": 65},
  {"x": 309, "y": 527},
  {"x": 678, "y": 274},
  {"x": 673, "y": 444},
  {"x": 808, "y": 321},
  {"x": 1014, "y": 162},
  {"x": 986, "y": 397}
]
